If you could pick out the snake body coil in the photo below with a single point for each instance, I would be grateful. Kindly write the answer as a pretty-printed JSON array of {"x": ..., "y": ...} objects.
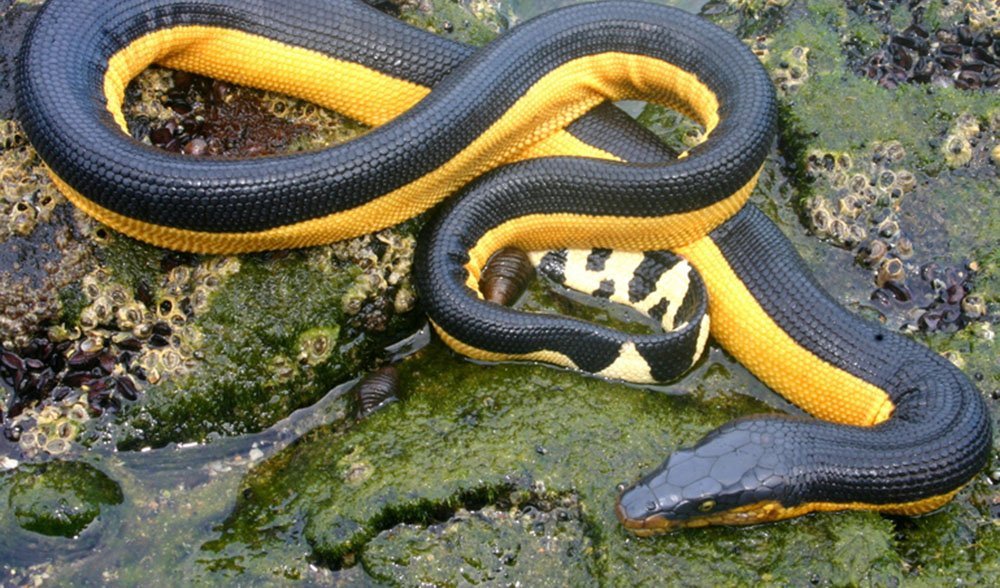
[{"x": 906, "y": 429}]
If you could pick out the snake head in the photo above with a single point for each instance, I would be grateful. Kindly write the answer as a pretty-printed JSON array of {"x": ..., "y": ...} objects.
[{"x": 732, "y": 477}]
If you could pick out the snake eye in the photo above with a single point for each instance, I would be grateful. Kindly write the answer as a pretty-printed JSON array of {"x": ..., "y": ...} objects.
[{"x": 706, "y": 506}]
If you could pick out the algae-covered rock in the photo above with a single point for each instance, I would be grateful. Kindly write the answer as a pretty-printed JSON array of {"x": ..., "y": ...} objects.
[
  {"x": 260, "y": 349},
  {"x": 467, "y": 438},
  {"x": 490, "y": 545},
  {"x": 59, "y": 498},
  {"x": 509, "y": 473}
]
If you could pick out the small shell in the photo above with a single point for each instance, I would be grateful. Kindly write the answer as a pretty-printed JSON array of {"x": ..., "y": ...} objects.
[
  {"x": 821, "y": 220},
  {"x": 376, "y": 390},
  {"x": 957, "y": 151},
  {"x": 891, "y": 271},
  {"x": 854, "y": 235},
  {"x": 872, "y": 252},
  {"x": 839, "y": 229},
  {"x": 906, "y": 180},
  {"x": 903, "y": 248},
  {"x": 857, "y": 183},
  {"x": 888, "y": 228},
  {"x": 974, "y": 306},
  {"x": 895, "y": 151},
  {"x": 506, "y": 276},
  {"x": 849, "y": 206}
]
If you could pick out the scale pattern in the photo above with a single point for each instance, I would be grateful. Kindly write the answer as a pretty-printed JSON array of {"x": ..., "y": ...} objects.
[
  {"x": 902, "y": 429},
  {"x": 494, "y": 106}
]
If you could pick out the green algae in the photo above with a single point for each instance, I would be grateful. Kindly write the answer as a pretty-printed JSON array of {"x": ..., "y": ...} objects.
[
  {"x": 486, "y": 546},
  {"x": 72, "y": 302},
  {"x": 264, "y": 350},
  {"x": 394, "y": 488},
  {"x": 466, "y": 436},
  {"x": 58, "y": 498}
]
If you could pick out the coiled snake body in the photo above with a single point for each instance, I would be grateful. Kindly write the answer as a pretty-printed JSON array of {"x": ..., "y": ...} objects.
[{"x": 523, "y": 126}]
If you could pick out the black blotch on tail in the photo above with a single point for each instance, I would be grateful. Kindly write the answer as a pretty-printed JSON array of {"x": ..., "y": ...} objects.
[
  {"x": 553, "y": 266},
  {"x": 658, "y": 310},
  {"x": 597, "y": 259},
  {"x": 652, "y": 266},
  {"x": 605, "y": 290}
]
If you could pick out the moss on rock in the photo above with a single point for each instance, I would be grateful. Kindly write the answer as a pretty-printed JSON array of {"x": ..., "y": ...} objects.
[{"x": 59, "y": 498}]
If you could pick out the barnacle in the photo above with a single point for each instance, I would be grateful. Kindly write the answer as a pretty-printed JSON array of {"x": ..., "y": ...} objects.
[
  {"x": 52, "y": 429},
  {"x": 382, "y": 286},
  {"x": 974, "y": 306},
  {"x": 27, "y": 196},
  {"x": 855, "y": 188},
  {"x": 872, "y": 252},
  {"x": 405, "y": 299},
  {"x": 891, "y": 270},
  {"x": 317, "y": 344},
  {"x": 967, "y": 139},
  {"x": 792, "y": 70},
  {"x": 957, "y": 151}
]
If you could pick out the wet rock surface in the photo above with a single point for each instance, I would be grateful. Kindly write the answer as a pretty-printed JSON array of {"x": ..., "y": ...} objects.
[{"x": 174, "y": 379}]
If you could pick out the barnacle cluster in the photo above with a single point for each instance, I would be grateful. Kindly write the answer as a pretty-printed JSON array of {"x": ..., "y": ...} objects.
[
  {"x": 858, "y": 207},
  {"x": 383, "y": 287},
  {"x": 970, "y": 140},
  {"x": 324, "y": 127},
  {"x": 862, "y": 200},
  {"x": 23, "y": 307},
  {"x": 52, "y": 388},
  {"x": 31, "y": 287},
  {"x": 27, "y": 197},
  {"x": 141, "y": 112},
  {"x": 121, "y": 339},
  {"x": 158, "y": 321},
  {"x": 52, "y": 429}
]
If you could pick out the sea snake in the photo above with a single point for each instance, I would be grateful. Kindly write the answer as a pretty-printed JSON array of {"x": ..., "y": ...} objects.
[{"x": 523, "y": 128}]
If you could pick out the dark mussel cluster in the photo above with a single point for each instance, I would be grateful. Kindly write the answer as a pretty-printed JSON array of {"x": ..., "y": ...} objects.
[
  {"x": 960, "y": 55},
  {"x": 94, "y": 368},
  {"x": 211, "y": 117},
  {"x": 937, "y": 298}
]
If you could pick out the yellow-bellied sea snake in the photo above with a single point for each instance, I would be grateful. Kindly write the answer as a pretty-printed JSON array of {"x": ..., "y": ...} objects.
[{"x": 522, "y": 126}]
